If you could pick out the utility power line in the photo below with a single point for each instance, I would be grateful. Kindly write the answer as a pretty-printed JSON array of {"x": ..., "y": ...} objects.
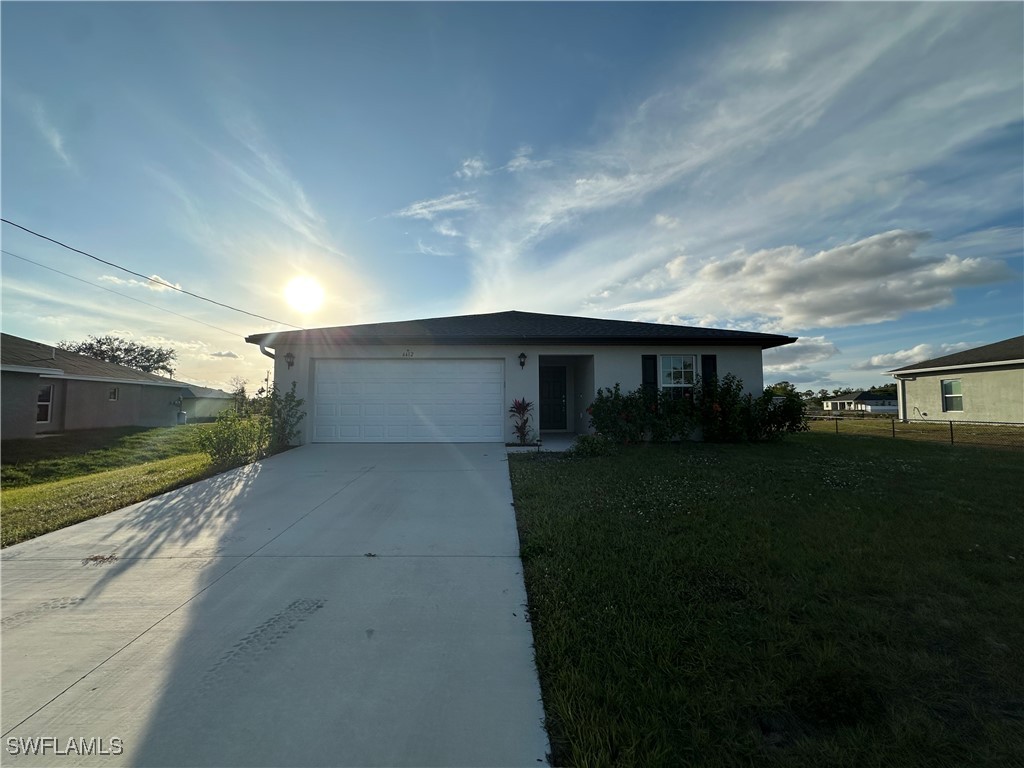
[
  {"x": 124, "y": 295},
  {"x": 146, "y": 277}
]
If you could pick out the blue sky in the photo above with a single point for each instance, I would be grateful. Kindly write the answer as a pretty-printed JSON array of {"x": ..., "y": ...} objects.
[{"x": 852, "y": 174}]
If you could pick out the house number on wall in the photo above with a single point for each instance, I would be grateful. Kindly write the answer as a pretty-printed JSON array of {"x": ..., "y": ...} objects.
[{"x": 408, "y": 353}]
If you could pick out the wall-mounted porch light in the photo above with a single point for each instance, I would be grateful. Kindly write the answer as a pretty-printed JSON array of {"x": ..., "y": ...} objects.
[
  {"x": 522, "y": 359},
  {"x": 290, "y": 359}
]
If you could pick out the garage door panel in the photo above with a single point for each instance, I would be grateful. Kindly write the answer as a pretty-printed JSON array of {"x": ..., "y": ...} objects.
[
  {"x": 409, "y": 401},
  {"x": 324, "y": 411}
]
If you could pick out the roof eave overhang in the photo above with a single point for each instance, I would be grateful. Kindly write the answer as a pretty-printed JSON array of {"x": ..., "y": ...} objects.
[
  {"x": 29, "y": 369},
  {"x": 109, "y": 380},
  {"x": 900, "y": 372},
  {"x": 764, "y": 342}
]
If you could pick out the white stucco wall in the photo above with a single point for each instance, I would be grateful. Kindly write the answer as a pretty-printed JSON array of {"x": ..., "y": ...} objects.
[
  {"x": 612, "y": 365},
  {"x": 989, "y": 394}
]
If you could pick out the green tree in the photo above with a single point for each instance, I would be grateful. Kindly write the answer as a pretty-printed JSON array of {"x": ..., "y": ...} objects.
[
  {"x": 131, "y": 354},
  {"x": 783, "y": 388}
]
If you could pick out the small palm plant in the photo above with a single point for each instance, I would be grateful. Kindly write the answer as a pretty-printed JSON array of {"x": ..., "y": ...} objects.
[{"x": 520, "y": 411}]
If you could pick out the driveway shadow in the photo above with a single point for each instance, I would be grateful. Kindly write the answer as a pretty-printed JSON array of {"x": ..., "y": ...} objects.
[{"x": 195, "y": 521}]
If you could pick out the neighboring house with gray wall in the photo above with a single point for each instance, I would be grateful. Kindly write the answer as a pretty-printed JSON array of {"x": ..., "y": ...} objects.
[
  {"x": 452, "y": 379},
  {"x": 204, "y": 403},
  {"x": 981, "y": 384},
  {"x": 46, "y": 390}
]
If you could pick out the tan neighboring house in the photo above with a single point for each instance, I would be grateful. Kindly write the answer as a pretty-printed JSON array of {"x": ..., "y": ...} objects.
[
  {"x": 452, "y": 379},
  {"x": 46, "y": 390},
  {"x": 981, "y": 384}
]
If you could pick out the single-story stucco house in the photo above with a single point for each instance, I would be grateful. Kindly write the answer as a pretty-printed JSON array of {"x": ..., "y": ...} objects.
[
  {"x": 45, "y": 390},
  {"x": 452, "y": 379},
  {"x": 204, "y": 403},
  {"x": 981, "y": 384},
  {"x": 868, "y": 402}
]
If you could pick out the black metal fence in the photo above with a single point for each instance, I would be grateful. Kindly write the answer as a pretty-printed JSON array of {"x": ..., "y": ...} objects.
[{"x": 990, "y": 433}]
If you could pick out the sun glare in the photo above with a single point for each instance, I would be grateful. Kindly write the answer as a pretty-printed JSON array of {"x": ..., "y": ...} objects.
[{"x": 304, "y": 294}]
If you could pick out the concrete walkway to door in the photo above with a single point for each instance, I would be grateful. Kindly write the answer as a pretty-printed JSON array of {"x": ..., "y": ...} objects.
[{"x": 336, "y": 605}]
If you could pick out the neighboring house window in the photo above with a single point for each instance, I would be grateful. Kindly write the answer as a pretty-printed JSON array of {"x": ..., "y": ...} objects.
[
  {"x": 43, "y": 403},
  {"x": 113, "y": 394},
  {"x": 677, "y": 375},
  {"x": 952, "y": 395}
]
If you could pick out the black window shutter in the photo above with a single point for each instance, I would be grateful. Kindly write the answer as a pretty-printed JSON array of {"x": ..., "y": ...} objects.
[
  {"x": 649, "y": 371},
  {"x": 708, "y": 367}
]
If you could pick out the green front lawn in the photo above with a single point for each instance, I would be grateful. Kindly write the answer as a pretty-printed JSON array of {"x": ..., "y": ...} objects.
[
  {"x": 818, "y": 601},
  {"x": 53, "y": 482},
  {"x": 37, "y": 509},
  {"x": 74, "y": 454}
]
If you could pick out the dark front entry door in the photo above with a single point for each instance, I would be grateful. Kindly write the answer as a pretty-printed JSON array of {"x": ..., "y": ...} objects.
[{"x": 552, "y": 397}]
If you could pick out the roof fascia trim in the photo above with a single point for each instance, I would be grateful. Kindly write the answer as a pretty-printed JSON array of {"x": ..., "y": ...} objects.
[
  {"x": 962, "y": 366},
  {"x": 28, "y": 369},
  {"x": 110, "y": 380}
]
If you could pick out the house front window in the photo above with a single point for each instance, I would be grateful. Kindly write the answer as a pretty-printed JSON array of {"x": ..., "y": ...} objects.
[
  {"x": 677, "y": 375},
  {"x": 113, "y": 394},
  {"x": 44, "y": 401},
  {"x": 952, "y": 396}
]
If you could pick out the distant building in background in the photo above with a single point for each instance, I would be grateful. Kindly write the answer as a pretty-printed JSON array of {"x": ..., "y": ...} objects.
[
  {"x": 866, "y": 402},
  {"x": 45, "y": 390},
  {"x": 981, "y": 384}
]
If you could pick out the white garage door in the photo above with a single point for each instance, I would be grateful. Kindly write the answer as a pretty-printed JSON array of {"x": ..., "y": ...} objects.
[{"x": 409, "y": 401}]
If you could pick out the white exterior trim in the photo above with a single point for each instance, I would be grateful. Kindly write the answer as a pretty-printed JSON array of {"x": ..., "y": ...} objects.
[
  {"x": 915, "y": 371},
  {"x": 29, "y": 369},
  {"x": 109, "y": 380}
]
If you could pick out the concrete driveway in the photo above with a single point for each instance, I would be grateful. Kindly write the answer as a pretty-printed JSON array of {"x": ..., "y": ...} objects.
[{"x": 334, "y": 605}]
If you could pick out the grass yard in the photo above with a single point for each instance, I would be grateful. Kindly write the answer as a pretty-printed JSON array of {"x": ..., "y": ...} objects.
[
  {"x": 73, "y": 454},
  {"x": 964, "y": 433},
  {"x": 819, "y": 601},
  {"x": 53, "y": 482},
  {"x": 37, "y": 509}
]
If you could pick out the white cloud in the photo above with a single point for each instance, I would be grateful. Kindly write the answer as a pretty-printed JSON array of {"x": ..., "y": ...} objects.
[
  {"x": 447, "y": 229},
  {"x": 522, "y": 161},
  {"x": 472, "y": 168},
  {"x": 428, "y": 209},
  {"x": 428, "y": 250},
  {"x": 254, "y": 173},
  {"x": 915, "y": 354},
  {"x": 159, "y": 286},
  {"x": 796, "y": 356},
  {"x": 50, "y": 133},
  {"x": 745, "y": 158},
  {"x": 878, "y": 278},
  {"x": 225, "y": 354}
]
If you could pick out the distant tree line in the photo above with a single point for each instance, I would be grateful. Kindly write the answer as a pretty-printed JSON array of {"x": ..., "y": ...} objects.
[{"x": 813, "y": 398}]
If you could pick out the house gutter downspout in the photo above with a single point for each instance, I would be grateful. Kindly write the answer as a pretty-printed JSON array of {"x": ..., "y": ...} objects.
[{"x": 263, "y": 351}]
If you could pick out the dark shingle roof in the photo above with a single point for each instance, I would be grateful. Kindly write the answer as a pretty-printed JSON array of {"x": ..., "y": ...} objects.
[
  {"x": 16, "y": 351},
  {"x": 194, "y": 390},
  {"x": 521, "y": 327},
  {"x": 1001, "y": 351}
]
